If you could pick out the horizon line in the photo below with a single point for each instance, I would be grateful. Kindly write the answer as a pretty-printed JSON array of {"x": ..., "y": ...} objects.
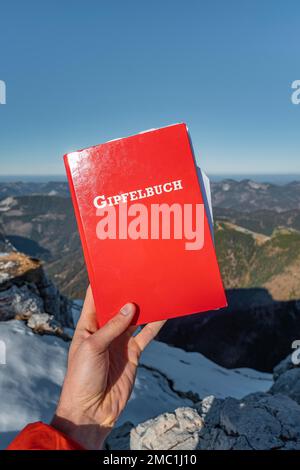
[{"x": 208, "y": 172}]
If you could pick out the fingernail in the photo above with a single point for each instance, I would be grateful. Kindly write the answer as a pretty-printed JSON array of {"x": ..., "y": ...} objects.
[{"x": 126, "y": 309}]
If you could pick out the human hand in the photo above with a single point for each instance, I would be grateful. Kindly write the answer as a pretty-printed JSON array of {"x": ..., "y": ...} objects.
[{"x": 101, "y": 372}]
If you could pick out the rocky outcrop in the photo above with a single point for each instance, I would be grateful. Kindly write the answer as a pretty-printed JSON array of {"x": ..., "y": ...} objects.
[
  {"x": 27, "y": 294},
  {"x": 287, "y": 379},
  {"x": 19, "y": 302},
  {"x": 176, "y": 431},
  {"x": 17, "y": 268},
  {"x": 283, "y": 366},
  {"x": 289, "y": 384},
  {"x": 43, "y": 323},
  {"x": 259, "y": 421}
]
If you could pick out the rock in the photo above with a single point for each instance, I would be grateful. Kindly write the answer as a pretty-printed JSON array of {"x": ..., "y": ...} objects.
[
  {"x": 44, "y": 323},
  {"x": 287, "y": 379},
  {"x": 209, "y": 410},
  {"x": 288, "y": 383},
  {"x": 54, "y": 303},
  {"x": 256, "y": 425},
  {"x": 24, "y": 303},
  {"x": 119, "y": 438},
  {"x": 19, "y": 302},
  {"x": 259, "y": 421},
  {"x": 25, "y": 290},
  {"x": 5, "y": 245},
  {"x": 176, "y": 431},
  {"x": 283, "y": 366},
  {"x": 19, "y": 268}
]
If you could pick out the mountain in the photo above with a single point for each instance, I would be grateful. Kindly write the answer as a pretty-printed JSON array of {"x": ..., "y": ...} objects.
[
  {"x": 252, "y": 259},
  {"x": 183, "y": 401},
  {"x": 254, "y": 331},
  {"x": 39, "y": 225},
  {"x": 263, "y": 221},
  {"x": 30, "y": 382},
  {"x": 245, "y": 195},
  {"x": 36, "y": 324},
  {"x": 262, "y": 277},
  {"x": 259, "y": 421},
  {"x": 257, "y": 228},
  {"x": 248, "y": 196},
  {"x": 26, "y": 293},
  {"x": 44, "y": 227},
  {"x": 21, "y": 188}
]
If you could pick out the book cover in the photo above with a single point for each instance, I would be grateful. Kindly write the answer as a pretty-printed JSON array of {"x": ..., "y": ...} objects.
[{"x": 145, "y": 227}]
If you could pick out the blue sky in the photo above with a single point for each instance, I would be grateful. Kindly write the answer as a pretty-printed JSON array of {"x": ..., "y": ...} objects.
[{"x": 82, "y": 72}]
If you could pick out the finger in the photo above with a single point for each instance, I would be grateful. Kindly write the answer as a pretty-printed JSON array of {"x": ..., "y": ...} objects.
[
  {"x": 88, "y": 320},
  {"x": 148, "y": 333},
  {"x": 87, "y": 323},
  {"x": 132, "y": 329},
  {"x": 114, "y": 328}
]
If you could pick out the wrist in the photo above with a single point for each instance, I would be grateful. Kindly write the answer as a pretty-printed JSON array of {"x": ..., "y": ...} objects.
[{"x": 86, "y": 432}]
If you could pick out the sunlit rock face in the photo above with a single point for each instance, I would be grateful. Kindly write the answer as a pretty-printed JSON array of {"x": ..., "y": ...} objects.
[{"x": 27, "y": 294}]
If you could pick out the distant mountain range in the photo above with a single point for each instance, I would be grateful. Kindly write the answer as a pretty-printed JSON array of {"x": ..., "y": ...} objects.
[
  {"x": 257, "y": 233},
  {"x": 245, "y": 195},
  {"x": 44, "y": 227},
  {"x": 248, "y": 196},
  {"x": 261, "y": 220},
  {"x": 23, "y": 188}
]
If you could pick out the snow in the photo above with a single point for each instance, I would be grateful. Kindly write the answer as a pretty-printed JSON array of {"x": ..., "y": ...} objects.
[
  {"x": 31, "y": 379},
  {"x": 191, "y": 371},
  {"x": 255, "y": 185},
  {"x": 7, "y": 203}
]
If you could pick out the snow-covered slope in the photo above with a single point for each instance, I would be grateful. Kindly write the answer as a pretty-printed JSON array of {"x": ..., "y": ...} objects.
[
  {"x": 35, "y": 365},
  {"x": 30, "y": 380},
  {"x": 169, "y": 376}
]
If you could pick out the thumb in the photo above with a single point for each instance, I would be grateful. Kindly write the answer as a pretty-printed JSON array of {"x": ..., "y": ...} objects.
[{"x": 113, "y": 328}]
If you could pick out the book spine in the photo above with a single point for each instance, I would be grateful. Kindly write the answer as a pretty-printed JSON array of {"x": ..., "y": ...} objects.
[{"x": 81, "y": 231}]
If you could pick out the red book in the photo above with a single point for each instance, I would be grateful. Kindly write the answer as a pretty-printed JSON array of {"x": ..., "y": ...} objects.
[{"x": 144, "y": 226}]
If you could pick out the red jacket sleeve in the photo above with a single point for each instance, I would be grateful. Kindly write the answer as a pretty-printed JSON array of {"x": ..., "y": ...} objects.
[{"x": 41, "y": 436}]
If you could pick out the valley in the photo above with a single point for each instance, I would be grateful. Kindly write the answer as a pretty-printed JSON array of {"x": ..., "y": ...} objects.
[{"x": 257, "y": 247}]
